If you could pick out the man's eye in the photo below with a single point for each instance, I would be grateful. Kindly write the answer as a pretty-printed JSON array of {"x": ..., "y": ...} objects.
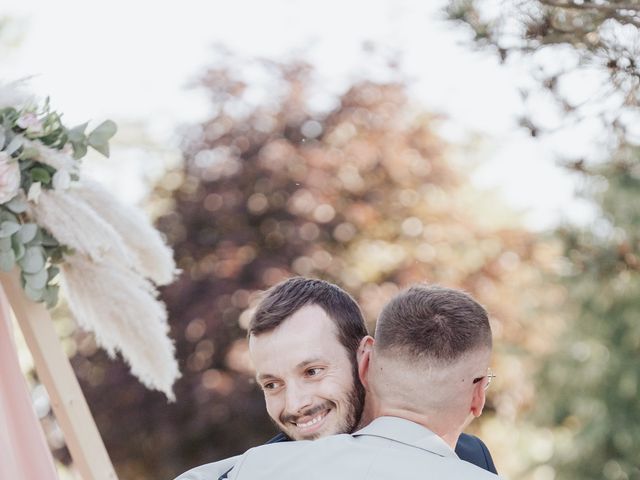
[
  {"x": 269, "y": 386},
  {"x": 312, "y": 372}
]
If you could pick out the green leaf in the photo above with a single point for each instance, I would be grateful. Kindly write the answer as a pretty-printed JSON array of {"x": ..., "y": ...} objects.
[
  {"x": 7, "y": 260},
  {"x": 33, "y": 260},
  {"x": 39, "y": 174},
  {"x": 17, "y": 204},
  {"x": 27, "y": 232},
  {"x": 51, "y": 296},
  {"x": 33, "y": 294},
  {"x": 79, "y": 149},
  {"x": 18, "y": 248},
  {"x": 46, "y": 239},
  {"x": 99, "y": 138},
  {"x": 76, "y": 134},
  {"x": 53, "y": 272},
  {"x": 38, "y": 280},
  {"x": 6, "y": 216},
  {"x": 5, "y": 244},
  {"x": 14, "y": 145},
  {"x": 28, "y": 153},
  {"x": 8, "y": 228}
]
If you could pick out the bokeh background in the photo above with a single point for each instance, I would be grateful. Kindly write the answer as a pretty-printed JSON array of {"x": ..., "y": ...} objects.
[{"x": 479, "y": 144}]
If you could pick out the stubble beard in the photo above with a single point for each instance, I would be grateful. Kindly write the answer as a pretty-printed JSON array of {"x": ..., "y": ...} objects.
[{"x": 354, "y": 406}]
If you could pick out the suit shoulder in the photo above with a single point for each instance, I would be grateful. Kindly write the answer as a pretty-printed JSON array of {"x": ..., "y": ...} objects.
[
  {"x": 472, "y": 449},
  {"x": 209, "y": 471}
]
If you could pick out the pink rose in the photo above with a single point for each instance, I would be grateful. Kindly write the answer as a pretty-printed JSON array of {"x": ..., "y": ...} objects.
[
  {"x": 30, "y": 122},
  {"x": 9, "y": 177}
]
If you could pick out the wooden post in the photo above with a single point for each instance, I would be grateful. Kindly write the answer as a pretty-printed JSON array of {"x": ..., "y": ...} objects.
[{"x": 54, "y": 371}]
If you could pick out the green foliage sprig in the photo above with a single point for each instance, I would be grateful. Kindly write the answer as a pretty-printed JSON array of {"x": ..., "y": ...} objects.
[{"x": 37, "y": 151}]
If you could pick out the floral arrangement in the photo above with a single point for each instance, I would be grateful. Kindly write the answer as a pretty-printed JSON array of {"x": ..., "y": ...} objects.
[
  {"x": 25, "y": 170},
  {"x": 64, "y": 231}
]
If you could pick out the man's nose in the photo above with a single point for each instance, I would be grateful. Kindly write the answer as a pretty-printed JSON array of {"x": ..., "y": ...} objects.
[{"x": 298, "y": 398}]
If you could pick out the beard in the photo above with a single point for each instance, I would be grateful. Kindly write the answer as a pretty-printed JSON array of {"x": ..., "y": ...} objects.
[{"x": 354, "y": 406}]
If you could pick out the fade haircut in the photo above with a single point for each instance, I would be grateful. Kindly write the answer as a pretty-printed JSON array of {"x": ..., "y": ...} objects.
[
  {"x": 433, "y": 322},
  {"x": 287, "y": 297}
]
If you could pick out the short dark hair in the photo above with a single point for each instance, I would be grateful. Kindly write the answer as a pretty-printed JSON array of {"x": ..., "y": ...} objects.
[
  {"x": 429, "y": 321},
  {"x": 287, "y": 297}
]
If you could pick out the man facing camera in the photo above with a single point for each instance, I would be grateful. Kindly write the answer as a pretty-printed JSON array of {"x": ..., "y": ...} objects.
[{"x": 304, "y": 340}]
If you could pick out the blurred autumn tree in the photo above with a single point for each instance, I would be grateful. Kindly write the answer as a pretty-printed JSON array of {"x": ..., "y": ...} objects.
[
  {"x": 361, "y": 192},
  {"x": 590, "y": 382}
]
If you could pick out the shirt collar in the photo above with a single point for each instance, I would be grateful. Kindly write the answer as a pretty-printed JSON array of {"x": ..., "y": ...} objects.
[{"x": 409, "y": 433}]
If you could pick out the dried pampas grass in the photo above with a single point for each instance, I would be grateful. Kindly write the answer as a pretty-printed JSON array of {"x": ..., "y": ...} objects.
[
  {"x": 152, "y": 257},
  {"x": 75, "y": 224},
  {"x": 121, "y": 308},
  {"x": 13, "y": 95},
  {"x": 60, "y": 160}
]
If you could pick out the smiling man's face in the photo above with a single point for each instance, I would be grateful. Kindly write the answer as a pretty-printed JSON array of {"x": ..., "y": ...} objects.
[{"x": 306, "y": 376}]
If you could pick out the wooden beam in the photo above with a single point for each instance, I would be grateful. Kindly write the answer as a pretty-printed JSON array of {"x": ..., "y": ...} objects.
[{"x": 89, "y": 454}]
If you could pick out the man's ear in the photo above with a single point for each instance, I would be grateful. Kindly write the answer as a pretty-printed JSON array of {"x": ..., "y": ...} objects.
[
  {"x": 478, "y": 399},
  {"x": 363, "y": 357}
]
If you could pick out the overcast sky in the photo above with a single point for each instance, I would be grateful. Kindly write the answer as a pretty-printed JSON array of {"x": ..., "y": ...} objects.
[{"x": 132, "y": 60}]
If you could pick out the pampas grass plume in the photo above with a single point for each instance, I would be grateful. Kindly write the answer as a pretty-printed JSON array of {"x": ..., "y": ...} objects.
[
  {"x": 75, "y": 224},
  {"x": 122, "y": 310},
  {"x": 152, "y": 257}
]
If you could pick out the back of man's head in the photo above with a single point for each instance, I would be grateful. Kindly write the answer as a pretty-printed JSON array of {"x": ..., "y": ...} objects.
[{"x": 432, "y": 348}]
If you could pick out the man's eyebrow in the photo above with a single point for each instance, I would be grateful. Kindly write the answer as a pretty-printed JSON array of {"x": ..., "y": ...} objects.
[
  {"x": 264, "y": 376},
  {"x": 261, "y": 377},
  {"x": 309, "y": 361}
]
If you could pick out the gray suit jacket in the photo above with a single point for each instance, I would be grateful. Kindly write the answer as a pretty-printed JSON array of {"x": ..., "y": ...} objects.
[
  {"x": 389, "y": 447},
  {"x": 209, "y": 471}
]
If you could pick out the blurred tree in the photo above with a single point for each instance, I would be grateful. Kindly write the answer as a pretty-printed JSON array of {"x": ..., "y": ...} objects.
[
  {"x": 588, "y": 388},
  {"x": 585, "y": 53},
  {"x": 362, "y": 193},
  {"x": 590, "y": 383}
]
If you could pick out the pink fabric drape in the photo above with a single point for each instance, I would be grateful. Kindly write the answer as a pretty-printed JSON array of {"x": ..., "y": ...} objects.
[{"x": 24, "y": 454}]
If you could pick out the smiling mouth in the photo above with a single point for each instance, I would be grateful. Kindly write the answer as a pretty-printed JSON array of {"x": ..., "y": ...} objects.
[{"x": 310, "y": 422}]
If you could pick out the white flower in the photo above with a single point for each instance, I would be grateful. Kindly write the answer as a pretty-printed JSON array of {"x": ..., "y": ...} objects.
[
  {"x": 30, "y": 122},
  {"x": 61, "y": 180},
  {"x": 34, "y": 192},
  {"x": 9, "y": 177}
]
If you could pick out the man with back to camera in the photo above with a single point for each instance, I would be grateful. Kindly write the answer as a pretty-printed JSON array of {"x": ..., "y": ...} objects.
[
  {"x": 303, "y": 341},
  {"x": 425, "y": 376}
]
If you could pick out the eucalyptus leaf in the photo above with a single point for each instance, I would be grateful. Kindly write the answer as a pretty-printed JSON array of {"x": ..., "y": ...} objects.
[
  {"x": 103, "y": 148},
  {"x": 50, "y": 296},
  {"x": 29, "y": 153},
  {"x": 14, "y": 145},
  {"x": 36, "y": 240},
  {"x": 79, "y": 149},
  {"x": 7, "y": 260},
  {"x": 33, "y": 294},
  {"x": 17, "y": 204},
  {"x": 3, "y": 138},
  {"x": 8, "y": 228},
  {"x": 38, "y": 280},
  {"x": 6, "y": 216},
  {"x": 33, "y": 260},
  {"x": 47, "y": 239},
  {"x": 5, "y": 244},
  {"x": 103, "y": 132},
  {"x": 76, "y": 134},
  {"x": 53, "y": 272},
  {"x": 39, "y": 174},
  {"x": 27, "y": 232},
  {"x": 99, "y": 138},
  {"x": 18, "y": 248}
]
